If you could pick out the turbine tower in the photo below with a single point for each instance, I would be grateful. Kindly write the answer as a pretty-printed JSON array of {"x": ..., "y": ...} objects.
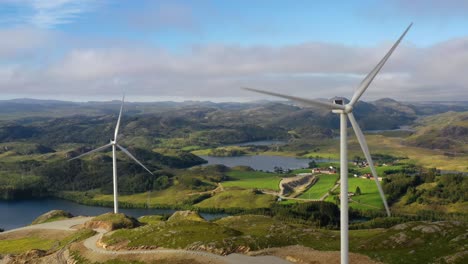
[
  {"x": 346, "y": 112},
  {"x": 113, "y": 144}
]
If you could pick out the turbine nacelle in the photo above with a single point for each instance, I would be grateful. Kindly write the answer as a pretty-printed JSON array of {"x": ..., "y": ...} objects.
[{"x": 341, "y": 102}]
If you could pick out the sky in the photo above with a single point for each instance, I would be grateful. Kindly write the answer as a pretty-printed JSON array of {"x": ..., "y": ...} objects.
[{"x": 177, "y": 50}]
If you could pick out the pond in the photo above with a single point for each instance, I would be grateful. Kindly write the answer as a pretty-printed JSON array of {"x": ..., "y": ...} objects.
[{"x": 14, "y": 214}]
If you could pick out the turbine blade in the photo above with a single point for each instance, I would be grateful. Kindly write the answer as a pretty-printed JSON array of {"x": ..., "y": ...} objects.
[
  {"x": 370, "y": 77},
  {"x": 365, "y": 149},
  {"x": 116, "y": 133},
  {"x": 92, "y": 151},
  {"x": 132, "y": 157},
  {"x": 300, "y": 100}
]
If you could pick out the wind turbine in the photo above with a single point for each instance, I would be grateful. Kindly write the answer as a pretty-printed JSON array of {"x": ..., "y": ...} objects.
[
  {"x": 346, "y": 112},
  {"x": 113, "y": 144}
]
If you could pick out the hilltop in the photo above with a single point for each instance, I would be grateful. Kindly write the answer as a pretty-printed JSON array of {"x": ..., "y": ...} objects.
[
  {"x": 233, "y": 239},
  {"x": 447, "y": 131}
]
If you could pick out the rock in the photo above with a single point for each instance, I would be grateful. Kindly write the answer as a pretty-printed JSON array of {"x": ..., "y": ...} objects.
[
  {"x": 427, "y": 229},
  {"x": 459, "y": 238},
  {"x": 400, "y": 227},
  {"x": 399, "y": 238},
  {"x": 292, "y": 259}
]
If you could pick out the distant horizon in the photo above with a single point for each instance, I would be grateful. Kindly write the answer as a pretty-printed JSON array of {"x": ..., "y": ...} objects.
[{"x": 175, "y": 99}]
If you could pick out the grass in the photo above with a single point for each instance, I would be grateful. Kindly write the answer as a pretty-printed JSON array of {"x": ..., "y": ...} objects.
[
  {"x": 51, "y": 216},
  {"x": 395, "y": 146},
  {"x": 150, "y": 219},
  {"x": 42, "y": 241},
  {"x": 369, "y": 198},
  {"x": 322, "y": 186},
  {"x": 21, "y": 245},
  {"x": 421, "y": 156},
  {"x": 179, "y": 234},
  {"x": 170, "y": 196},
  {"x": 117, "y": 221},
  {"x": 253, "y": 180},
  {"x": 238, "y": 198},
  {"x": 409, "y": 244}
]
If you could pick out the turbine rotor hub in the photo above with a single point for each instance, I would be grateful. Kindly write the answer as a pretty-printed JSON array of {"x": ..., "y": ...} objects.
[{"x": 348, "y": 108}]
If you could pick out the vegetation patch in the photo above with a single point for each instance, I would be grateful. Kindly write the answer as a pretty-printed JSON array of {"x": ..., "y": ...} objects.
[
  {"x": 21, "y": 245},
  {"x": 253, "y": 180},
  {"x": 111, "y": 221},
  {"x": 324, "y": 183},
  {"x": 238, "y": 198},
  {"x": 51, "y": 216}
]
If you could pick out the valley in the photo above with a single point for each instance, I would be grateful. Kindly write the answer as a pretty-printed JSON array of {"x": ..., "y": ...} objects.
[{"x": 206, "y": 159}]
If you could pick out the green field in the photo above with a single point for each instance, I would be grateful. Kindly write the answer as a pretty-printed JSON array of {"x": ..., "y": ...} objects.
[
  {"x": 369, "y": 198},
  {"x": 253, "y": 180},
  {"x": 322, "y": 186},
  {"x": 233, "y": 198}
]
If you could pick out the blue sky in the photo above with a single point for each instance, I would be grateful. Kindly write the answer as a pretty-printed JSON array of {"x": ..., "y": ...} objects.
[{"x": 207, "y": 49}]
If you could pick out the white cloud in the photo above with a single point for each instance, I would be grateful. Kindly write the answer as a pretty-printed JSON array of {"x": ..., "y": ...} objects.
[
  {"x": 309, "y": 69},
  {"x": 47, "y": 13}
]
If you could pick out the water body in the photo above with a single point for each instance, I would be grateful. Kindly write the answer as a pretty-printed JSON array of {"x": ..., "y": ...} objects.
[
  {"x": 401, "y": 128},
  {"x": 262, "y": 162},
  {"x": 14, "y": 214},
  {"x": 260, "y": 143}
]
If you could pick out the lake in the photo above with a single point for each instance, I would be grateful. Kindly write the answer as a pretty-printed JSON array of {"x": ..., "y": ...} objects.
[
  {"x": 260, "y": 143},
  {"x": 14, "y": 214},
  {"x": 262, "y": 162}
]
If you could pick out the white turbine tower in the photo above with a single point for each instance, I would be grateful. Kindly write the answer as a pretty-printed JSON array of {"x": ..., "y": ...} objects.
[
  {"x": 113, "y": 144},
  {"x": 345, "y": 111}
]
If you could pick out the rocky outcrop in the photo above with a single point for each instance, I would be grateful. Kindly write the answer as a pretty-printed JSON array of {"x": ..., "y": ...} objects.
[
  {"x": 52, "y": 216},
  {"x": 111, "y": 221}
]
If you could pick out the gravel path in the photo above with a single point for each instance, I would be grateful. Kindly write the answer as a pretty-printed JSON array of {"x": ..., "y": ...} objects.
[{"x": 91, "y": 244}]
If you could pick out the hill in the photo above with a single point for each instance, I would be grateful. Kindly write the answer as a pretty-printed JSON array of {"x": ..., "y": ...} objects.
[{"x": 447, "y": 131}]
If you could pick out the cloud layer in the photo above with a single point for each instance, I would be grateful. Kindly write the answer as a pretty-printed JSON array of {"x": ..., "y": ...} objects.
[{"x": 309, "y": 69}]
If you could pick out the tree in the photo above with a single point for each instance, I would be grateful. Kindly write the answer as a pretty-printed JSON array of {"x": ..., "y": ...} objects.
[
  {"x": 312, "y": 164},
  {"x": 358, "y": 191}
]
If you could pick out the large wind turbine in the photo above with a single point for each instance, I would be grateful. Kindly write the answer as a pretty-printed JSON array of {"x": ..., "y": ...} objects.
[
  {"x": 346, "y": 111},
  {"x": 113, "y": 144}
]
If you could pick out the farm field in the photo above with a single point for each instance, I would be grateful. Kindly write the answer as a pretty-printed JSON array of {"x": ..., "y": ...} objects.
[
  {"x": 322, "y": 186},
  {"x": 369, "y": 198},
  {"x": 253, "y": 180}
]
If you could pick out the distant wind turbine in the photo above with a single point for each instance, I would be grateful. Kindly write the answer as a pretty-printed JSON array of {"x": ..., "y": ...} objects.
[
  {"x": 113, "y": 144},
  {"x": 345, "y": 111}
]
